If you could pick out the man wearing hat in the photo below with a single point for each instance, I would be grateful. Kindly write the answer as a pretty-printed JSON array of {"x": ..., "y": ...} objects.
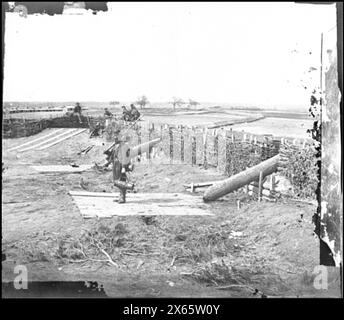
[
  {"x": 121, "y": 166},
  {"x": 134, "y": 113},
  {"x": 77, "y": 111},
  {"x": 126, "y": 113},
  {"x": 119, "y": 156}
]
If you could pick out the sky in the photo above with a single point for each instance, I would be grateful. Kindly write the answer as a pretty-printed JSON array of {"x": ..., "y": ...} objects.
[{"x": 249, "y": 53}]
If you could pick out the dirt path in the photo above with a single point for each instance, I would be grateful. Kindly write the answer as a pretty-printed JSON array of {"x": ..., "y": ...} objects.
[{"x": 266, "y": 246}]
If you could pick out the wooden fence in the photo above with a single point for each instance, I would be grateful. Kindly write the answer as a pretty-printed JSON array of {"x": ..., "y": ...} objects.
[{"x": 226, "y": 150}]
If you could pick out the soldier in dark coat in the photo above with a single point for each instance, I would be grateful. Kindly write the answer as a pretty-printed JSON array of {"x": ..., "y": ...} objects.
[
  {"x": 77, "y": 111},
  {"x": 121, "y": 166},
  {"x": 126, "y": 113},
  {"x": 107, "y": 113},
  {"x": 134, "y": 113}
]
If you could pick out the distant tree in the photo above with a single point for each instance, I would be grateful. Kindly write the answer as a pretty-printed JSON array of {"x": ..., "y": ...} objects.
[
  {"x": 113, "y": 103},
  {"x": 142, "y": 101},
  {"x": 177, "y": 102},
  {"x": 193, "y": 103}
]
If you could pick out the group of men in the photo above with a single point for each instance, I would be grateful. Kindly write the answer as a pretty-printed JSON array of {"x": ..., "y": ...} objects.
[{"x": 130, "y": 115}]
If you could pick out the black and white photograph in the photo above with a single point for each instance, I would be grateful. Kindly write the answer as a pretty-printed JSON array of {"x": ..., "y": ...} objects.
[{"x": 172, "y": 150}]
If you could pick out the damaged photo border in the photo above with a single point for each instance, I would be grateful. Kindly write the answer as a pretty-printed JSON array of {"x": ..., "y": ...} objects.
[{"x": 327, "y": 220}]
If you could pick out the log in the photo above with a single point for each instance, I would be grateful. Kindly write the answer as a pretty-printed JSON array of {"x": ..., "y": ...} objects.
[{"x": 241, "y": 179}]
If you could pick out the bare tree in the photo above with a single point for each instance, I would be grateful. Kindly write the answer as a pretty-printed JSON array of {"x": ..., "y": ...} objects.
[
  {"x": 142, "y": 101},
  {"x": 193, "y": 103},
  {"x": 177, "y": 102}
]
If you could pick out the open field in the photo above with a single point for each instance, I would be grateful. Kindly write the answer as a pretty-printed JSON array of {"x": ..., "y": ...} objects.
[
  {"x": 265, "y": 246},
  {"x": 295, "y": 128},
  {"x": 280, "y": 123}
]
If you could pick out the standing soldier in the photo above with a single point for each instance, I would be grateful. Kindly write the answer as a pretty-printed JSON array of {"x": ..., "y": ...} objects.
[
  {"x": 119, "y": 155},
  {"x": 125, "y": 113},
  {"x": 107, "y": 113},
  {"x": 108, "y": 116},
  {"x": 77, "y": 111},
  {"x": 134, "y": 113}
]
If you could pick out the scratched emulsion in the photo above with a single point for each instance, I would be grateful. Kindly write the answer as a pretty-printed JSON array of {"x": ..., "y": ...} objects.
[{"x": 331, "y": 222}]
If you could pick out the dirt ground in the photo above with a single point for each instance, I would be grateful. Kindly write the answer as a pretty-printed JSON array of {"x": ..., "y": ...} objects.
[{"x": 269, "y": 247}]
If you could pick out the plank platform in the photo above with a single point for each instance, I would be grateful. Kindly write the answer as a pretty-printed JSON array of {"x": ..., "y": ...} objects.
[
  {"x": 48, "y": 140},
  {"x": 60, "y": 168},
  {"x": 36, "y": 145},
  {"x": 53, "y": 132},
  {"x": 72, "y": 134},
  {"x": 104, "y": 205}
]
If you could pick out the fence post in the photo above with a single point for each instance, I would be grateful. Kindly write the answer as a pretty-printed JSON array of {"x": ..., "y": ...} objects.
[
  {"x": 161, "y": 131},
  {"x": 205, "y": 140},
  {"x": 181, "y": 144},
  {"x": 138, "y": 131},
  {"x": 150, "y": 129},
  {"x": 260, "y": 186},
  {"x": 193, "y": 147},
  {"x": 216, "y": 148},
  {"x": 227, "y": 152},
  {"x": 273, "y": 183},
  {"x": 170, "y": 132}
]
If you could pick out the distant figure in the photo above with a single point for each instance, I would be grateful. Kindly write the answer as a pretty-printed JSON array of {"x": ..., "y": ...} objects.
[
  {"x": 96, "y": 131},
  {"x": 77, "y": 111},
  {"x": 108, "y": 116},
  {"x": 126, "y": 114},
  {"x": 134, "y": 113},
  {"x": 107, "y": 113}
]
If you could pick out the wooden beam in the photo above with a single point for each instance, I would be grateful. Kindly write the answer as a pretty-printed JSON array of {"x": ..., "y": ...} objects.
[
  {"x": 62, "y": 139},
  {"x": 60, "y": 168},
  {"x": 48, "y": 140},
  {"x": 35, "y": 140}
]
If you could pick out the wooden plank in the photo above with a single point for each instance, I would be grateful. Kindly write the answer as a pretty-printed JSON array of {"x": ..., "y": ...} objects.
[
  {"x": 98, "y": 204},
  {"x": 133, "y": 202},
  {"x": 200, "y": 184},
  {"x": 35, "y": 140},
  {"x": 60, "y": 168},
  {"x": 48, "y": 140},
  {"x": 153, "y": 195},
  {"x": 62, "y": 139}
]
